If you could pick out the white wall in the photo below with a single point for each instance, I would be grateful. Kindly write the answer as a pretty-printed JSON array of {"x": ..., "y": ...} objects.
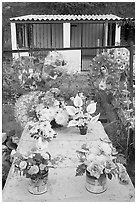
[{"x": 73, "y": 57}]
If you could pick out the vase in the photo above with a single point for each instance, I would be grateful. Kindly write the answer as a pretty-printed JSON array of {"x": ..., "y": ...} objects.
[
  {"x": 38, "y": 186},
  {"x": 95, "y": 185},
  {"x": 83, "y": 130},
  {"x": 40, "y": 144}
]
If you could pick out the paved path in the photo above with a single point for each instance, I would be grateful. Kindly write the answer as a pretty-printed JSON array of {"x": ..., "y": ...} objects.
[{"x": 63, "y": 185}]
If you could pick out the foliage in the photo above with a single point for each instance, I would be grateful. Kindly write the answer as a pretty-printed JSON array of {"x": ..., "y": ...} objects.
[
  {"x": 20, "y": 76},
  {"x": 115, "y": 82},
  {"x": 82, "y": 112},
  {"x": 27, "y": 74}
]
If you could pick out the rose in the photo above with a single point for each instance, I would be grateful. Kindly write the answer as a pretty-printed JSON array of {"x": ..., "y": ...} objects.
[
  {"x": 95, "y": 169},
  {"x": 45, "y": 155},
  {"x": 33, "y": 170},
  {"x": 43, "y": 166},
  {"x": 23, "y": 164}
]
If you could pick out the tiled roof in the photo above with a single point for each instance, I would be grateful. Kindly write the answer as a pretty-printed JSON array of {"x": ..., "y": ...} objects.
[{"x": 65, "y": 17}]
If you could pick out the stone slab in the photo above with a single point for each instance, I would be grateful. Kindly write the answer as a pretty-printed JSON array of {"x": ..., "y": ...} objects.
[{"x": 63, "y": 185}]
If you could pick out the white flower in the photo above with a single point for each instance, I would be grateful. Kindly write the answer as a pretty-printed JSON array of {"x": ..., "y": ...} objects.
[
  {"x": 118, "y": 60},
  {"x": 62, "y": 117},
  {"x": 101, "y": 159},
  {"x": 122, "y": 67},
  {"x": 95, "y": 150},
  {"x": 42, "y": 166},
  {"x": 90, "y": 157},
  {"x": 102, "y": 85},
  {"x": 39, "y": 107},
  {"x": 44, "y": 154},
  {"x": 56, "y": 103},
  {"x": 23, "y": 164},
  {"x": 48, "y": 113},
  {"x": 12, "y": 152},
  {"x": 30, "y": 71},
  {"x": 72, "y": 98},
  {"x": 95, "y": 169},
  {"x": 33, "y": 170}
]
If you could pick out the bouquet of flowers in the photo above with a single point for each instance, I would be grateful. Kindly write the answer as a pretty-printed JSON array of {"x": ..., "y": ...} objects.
[
  {"x": 34, "y": 165},
  {"x": 45, "y": 112},
  {"x": 82, "y": 112},
  {"x": 100, "y": 158},
  {"x": 50, "y": 106},
  {"x": 41, "y": 129},
  {"x": 41, "y": 106}
]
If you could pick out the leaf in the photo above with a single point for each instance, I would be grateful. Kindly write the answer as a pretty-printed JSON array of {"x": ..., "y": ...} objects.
[
  {"x": 84, "y": 146},
  {"x": 110, "y": 176},
  {"x": 72, "y": 123},
  {"x": 94, "y": 120},
  {"x": 91, "y": 108},
  {"x": 80, "y": 170},
  {"x": 121, "y": 159},
  {"x": 71, "y": 110},
  {"x": 78, "y": 101}
]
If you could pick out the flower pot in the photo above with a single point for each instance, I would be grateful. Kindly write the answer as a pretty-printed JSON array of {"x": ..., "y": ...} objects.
[
  {"x": 83, "y": 130},
  {"x": 95, "y": 185},
  {"x": 38, "y": 186}
]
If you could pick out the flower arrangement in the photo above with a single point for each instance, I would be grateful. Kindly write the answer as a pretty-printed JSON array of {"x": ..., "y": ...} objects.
[
  {"x": 51, "y": 107},
  {"x": 33, "y": 165},
  {"x": 82, "y": 112},
  {"x": 46, "y": 109},
  {"x": 40, "y": 106},
  {"x": 41, "y": 129},
  {"x": 116, "y": 61},
  {"x": 100, "y": 157}
]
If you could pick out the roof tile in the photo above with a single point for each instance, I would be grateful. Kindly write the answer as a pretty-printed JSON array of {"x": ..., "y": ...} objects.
[{"x": 65, "y": 17}]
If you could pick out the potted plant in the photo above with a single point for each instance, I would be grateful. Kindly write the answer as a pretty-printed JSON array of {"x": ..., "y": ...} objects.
[
  {"x": 99, "y": 161},
  {"x": 35, "y": 166},
  {"x": 82, "y": 113}
]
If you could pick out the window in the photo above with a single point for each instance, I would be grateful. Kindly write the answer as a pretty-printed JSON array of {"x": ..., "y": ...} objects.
[{"x": 24, "y": 35}]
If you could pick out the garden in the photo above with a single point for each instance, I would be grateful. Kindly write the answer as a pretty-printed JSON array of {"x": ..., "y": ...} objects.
[{"x": 43, "y": 94}]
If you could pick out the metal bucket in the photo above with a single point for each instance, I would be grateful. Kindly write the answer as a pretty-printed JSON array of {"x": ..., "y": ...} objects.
[{"x": 95, "y": 185}]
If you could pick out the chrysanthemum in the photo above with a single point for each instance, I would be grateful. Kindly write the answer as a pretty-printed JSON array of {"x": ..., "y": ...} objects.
[
  {"x": 62, "y": 117},
  {"x": 47, "y": 114}
]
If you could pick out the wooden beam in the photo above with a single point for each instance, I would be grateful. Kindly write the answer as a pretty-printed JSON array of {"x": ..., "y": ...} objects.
[
  {"x": 66, "y": 35},
  {"x": 117, "y": 34},
  {"x": 106, "y": 34},
  {"x": 14, "y": 39}
]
